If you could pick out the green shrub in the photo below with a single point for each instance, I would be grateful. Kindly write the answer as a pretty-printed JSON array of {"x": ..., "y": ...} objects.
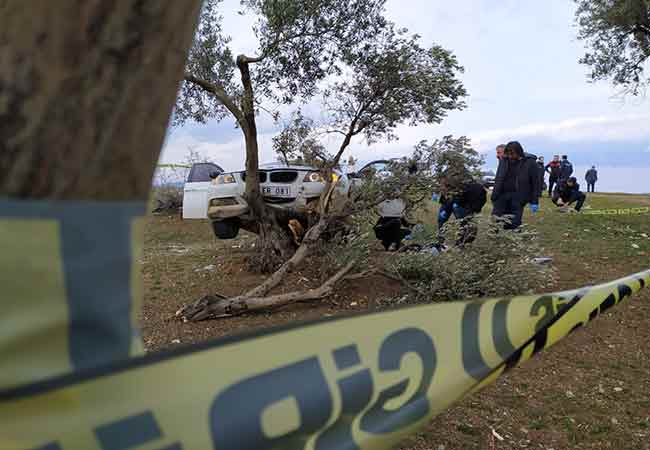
[{"x": 498, "y": 263}]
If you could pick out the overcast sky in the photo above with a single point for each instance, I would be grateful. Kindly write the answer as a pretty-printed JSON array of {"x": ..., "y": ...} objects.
[{"x": 522, "y": 76}]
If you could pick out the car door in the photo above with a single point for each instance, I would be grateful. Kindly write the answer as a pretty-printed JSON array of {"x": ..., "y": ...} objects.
[{"x": 195, "y": 190}]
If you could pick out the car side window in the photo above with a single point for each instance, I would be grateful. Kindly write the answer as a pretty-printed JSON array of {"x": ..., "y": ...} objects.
[{"x": 201, "y": 172}]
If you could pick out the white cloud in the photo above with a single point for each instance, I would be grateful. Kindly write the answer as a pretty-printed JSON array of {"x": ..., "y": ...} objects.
[
  {"x": 631, "y": 127},
  {"x": 230, "y": 154}
]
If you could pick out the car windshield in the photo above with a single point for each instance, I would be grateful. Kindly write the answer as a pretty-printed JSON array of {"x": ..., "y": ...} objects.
[
  {"x": 201, "y": 172},
  {"x": 374, "y": 168}
]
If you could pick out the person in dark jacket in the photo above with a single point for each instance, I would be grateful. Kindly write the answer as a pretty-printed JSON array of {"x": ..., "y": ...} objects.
[
  {"x": 517, "y": 183},
  {"x": 542, "y": 173},
  {"x": 553, "y": 169},
  {"x": 566, "y": 168},
  {"x": 391, "y": 231},
  {"x": 462, "y": 201},
  {"x": 591, "y": 177},
  {"x": 569, "y": 192}
]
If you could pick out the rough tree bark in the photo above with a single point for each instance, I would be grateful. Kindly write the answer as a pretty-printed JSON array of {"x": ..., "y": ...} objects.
[
  {"x": 274, "y": 242},
  {"x": 86, "y": 91}
]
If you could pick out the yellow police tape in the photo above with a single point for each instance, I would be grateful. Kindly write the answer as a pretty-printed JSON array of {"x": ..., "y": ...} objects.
[
  {"x": 361, "y": 382},
  {"x": 618, "y": 211}
]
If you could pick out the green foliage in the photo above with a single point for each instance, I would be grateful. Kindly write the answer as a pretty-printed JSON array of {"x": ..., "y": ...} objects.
[
  {"x": 499, "y": 263},
  {"x": 303, "y": 41},
  {"x": 352, "y": 244},
  {"x": 390, "y": 80},
  {"x": 617, "y": 33},
  {"x": 452, "y": 162},
  {"x": 300, "y": 43},
  {"x": 209, "y": 59},
  {"x": 297, "y": 143},
  {"x": 435, "y": 163}
]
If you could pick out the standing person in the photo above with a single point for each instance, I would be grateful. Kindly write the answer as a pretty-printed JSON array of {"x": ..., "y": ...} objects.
[
  {"x": 553, "y": 169},
  {"x": 569, "y": 192},
  {"x": 542, "y": 172},
  {"x": 591, "y": 177},
  {"x": 516, "y": 184},
  {"x": 566, "y": 168},
  {"x": 501, "y": 148}
]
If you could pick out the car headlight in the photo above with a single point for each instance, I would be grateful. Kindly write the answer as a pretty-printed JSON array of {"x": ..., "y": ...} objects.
[
  {"x": 227, "y": 201},
  {"x": 314, "y": 177},
  {"x": 224, "y": 178}
]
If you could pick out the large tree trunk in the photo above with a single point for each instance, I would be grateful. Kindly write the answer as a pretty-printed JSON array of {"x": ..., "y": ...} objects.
[
  {"x": 274, "y": 242},
  {"x": 86, "y": 90}
]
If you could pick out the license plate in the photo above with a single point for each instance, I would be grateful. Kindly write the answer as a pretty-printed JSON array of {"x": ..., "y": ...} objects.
[{"x": 276, "y": 191}]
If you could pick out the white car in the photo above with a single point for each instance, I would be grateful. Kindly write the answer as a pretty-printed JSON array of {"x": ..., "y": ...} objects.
[
  {"x": 195, "y": 189},
  {"x": 283, "y": 186},
  {"x": 488, "y": 177}
]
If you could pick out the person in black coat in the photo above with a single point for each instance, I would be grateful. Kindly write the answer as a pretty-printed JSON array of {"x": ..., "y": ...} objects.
[
  {"x": 566, "y": 168},
  {"x": 591, "y": 177},
  {"x": 516, "y": 184},
  {"x": 463, "y": 200},
  {"x": 569, "y": 192},
  {"x": 542, "y": 174}
]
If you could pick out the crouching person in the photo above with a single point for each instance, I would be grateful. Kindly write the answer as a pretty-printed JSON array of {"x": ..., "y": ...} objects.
[
  {"x": 392, "y": 227},
  {"x": 462, "y": 199},
  {"x": 568, "y": 192}
]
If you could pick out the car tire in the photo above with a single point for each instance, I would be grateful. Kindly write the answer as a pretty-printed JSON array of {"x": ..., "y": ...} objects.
[{"x": 226, "y": 229}]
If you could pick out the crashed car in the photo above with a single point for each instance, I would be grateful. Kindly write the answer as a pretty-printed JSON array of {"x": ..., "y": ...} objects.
[
  {"x": 292, "y": 187},
  {"x": 487, "y": 178}
]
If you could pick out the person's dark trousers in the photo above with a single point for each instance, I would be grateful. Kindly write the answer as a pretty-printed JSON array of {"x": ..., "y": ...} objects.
[
  {"x": 551, "y": 183},
  {"x": 579, "y": 199},
  {"x": 389, "y": 231},
  {"x": 509, "y": 206},
  {"x": 468, "y": 231},
  {"x": 591, "y": 187}
]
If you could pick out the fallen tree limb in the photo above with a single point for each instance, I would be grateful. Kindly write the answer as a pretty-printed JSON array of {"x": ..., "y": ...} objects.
[{"x": 213, "y": 307}]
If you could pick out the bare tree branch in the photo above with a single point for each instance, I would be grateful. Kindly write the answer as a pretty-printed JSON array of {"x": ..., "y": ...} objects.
[
  {"x": 243, "y": 304},
  {"x": 220, "y": 94}
]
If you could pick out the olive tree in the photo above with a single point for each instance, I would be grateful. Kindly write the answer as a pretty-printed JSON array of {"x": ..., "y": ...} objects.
[
  {"x": 386, "y": 80},
  {"x": 617, "y": 33},
  {"x": 300, "y": 43}
]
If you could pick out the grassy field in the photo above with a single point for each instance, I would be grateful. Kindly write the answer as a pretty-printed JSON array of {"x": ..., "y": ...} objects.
[{"x": 591, "y": 391}]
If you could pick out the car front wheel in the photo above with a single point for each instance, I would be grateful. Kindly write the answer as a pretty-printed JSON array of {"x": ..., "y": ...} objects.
[{"x": 226, "y": 229}]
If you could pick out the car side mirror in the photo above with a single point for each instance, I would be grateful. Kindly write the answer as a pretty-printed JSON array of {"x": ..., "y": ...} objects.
[{"x": 214, "y": 174}]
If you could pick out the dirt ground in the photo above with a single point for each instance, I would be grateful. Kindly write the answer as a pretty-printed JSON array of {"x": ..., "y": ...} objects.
[{"x": 591, "y": 391}]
